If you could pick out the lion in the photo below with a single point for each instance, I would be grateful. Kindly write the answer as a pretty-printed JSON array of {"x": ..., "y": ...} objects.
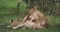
[
  {"x": 34, "y": 13},
  {"x": 24, "y": 25},
  {"x": 36, "y": 16},
  {"x": 15, "y": 24}
]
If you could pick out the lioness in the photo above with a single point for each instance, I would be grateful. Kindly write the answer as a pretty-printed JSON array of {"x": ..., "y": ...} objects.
[
  {"x": 37, "y": 17},
  {"x": 33, "y": 12}
]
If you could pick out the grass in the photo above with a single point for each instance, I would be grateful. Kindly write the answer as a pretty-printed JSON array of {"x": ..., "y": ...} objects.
[{"x": 8, "y": 12}]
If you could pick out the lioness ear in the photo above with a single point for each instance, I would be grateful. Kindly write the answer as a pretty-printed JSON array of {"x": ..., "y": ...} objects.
[{"x": 11, "y": 21}]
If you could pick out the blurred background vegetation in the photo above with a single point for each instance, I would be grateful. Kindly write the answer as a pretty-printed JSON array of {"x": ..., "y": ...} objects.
[{"x": 11, "y": 9}]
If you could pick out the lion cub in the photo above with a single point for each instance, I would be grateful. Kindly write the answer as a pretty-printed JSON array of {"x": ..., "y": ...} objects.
[
  {"x": 16, "y": 24},
  {"x": 28, "y": 24}
]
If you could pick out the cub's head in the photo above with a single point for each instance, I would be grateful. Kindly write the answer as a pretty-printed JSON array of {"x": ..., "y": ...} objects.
[{"x": 14, "y": 24}]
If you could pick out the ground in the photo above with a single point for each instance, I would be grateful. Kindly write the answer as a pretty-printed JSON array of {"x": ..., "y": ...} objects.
[{"x": 7, "y": 8}]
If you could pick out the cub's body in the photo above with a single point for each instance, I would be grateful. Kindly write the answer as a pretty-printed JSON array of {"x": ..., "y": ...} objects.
[{"x": 16, "y": 24}]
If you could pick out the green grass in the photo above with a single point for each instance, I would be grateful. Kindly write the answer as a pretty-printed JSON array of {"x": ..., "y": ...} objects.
[
  {"x": 52, "y": 28},
  {"x": 8, "y": 12}
]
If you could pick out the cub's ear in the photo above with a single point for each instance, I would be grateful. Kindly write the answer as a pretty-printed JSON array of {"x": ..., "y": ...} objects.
[{"x": 11, "y": 21}]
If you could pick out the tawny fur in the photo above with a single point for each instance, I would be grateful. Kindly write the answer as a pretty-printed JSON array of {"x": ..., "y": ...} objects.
[
  {"x": 15, "y": 24},
  {"x": 34, "y": 19},
  {"x": 37, "y": 17},
  {"x": 28, "y": 24}
]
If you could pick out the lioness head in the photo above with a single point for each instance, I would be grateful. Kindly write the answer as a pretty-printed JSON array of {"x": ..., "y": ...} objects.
[{"x": 15, "y": 24}]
